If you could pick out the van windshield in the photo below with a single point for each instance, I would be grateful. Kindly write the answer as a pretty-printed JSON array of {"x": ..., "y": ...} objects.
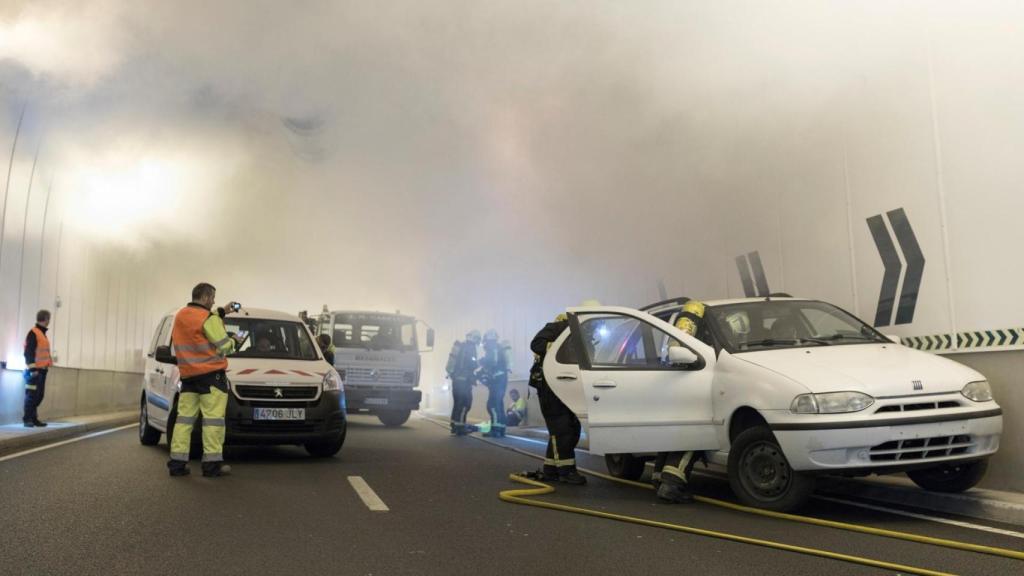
[
  {"x": 272, "y": 339},
  {"x": 374, "y": 332},
  {"x": 769, "y": 325}
]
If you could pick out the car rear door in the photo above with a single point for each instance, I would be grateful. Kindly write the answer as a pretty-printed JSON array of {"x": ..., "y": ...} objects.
[{"x": 635, "y": 400}]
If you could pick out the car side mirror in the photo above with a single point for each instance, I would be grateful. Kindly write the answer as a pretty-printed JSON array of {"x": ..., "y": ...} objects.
[
  {"x": 164, "y": 356},
  {"x": 682, "y": 356},
  {"x": 894, "y": 338},
  {"x": 430, "y": 337}
]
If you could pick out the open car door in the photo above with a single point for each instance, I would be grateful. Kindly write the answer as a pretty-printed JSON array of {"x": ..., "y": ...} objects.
[{"x": 646, "y": 385}]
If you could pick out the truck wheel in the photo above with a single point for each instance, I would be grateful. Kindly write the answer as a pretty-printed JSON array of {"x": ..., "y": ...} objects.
[
  {"x": 393, "y": 418},
  {"x": 950, "y": 477},
  {"x": 148, "y": 436},
  {"x": 760, "y": 476},
  {"x": 328, "y": 448},
  {"x": 625, "y": 466}
]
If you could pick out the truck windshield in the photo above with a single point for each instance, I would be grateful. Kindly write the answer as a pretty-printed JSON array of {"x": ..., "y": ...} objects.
[
  {"x": 374, "y": 332},
  {"x": 770, "y": 325},
  {"x": 272, "y": 339}
]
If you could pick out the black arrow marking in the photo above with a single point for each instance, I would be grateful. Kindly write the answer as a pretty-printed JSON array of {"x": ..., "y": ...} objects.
[
  {"x": 748, "y": 283},
  {"x": 759, "y": 277},
  {"x": 915, "y": 265},
  {"x": 893, "y": 267}
]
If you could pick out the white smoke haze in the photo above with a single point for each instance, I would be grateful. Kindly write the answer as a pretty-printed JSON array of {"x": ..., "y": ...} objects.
[{"x": 475, "y": 163}]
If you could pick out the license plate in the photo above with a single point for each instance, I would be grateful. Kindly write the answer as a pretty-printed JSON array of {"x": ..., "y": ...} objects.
[
  {"x": 377, "y": 401},
  {"x": 278, "y": 413}
]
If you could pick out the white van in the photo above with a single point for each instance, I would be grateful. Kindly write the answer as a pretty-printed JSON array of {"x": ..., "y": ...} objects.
[
  {"x": 778, "y": 390},
  {"x": 282, "y": 391}
]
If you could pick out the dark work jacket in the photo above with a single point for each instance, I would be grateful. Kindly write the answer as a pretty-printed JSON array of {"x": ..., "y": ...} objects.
[{"x": 539, "y": 345}]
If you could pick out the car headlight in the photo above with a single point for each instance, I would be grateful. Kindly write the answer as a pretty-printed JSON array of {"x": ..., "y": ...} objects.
[
  {"x": 332, "y": 381},
  {"x": 830, "y": 403},
  {"x": 978, "y": 391}
]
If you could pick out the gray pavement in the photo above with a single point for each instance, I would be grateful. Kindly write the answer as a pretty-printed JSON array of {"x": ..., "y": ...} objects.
[
  {"x": 16, "y": 437},
  {"x": 105, "y": 505}
]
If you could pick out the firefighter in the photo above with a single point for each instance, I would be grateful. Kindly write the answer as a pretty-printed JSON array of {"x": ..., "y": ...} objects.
[
  {"x": 494, "y": 374},
  {"x": 461, "y": 369},
  {"x": 324, "y": 340},
  {"x": 201, "y": 343},
  {"x": 37, "y": 364},
  {"x": 675, "y": 467},
  {"x": 516, "y": 412},
  {"x": 563, "y": 426}
]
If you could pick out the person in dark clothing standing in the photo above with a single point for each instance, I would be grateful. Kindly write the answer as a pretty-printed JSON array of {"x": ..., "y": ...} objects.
[
  {"x": 324, "y": 340},
  {"x": 494, "y": 374},
  {"x": 37, "y": 363},
  {"x": 461, "y": 368},
  {"x": 563, "y": 426}
]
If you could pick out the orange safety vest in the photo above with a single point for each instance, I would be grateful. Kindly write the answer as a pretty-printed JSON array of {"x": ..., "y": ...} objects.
[
  {"x": 196, "y": 355},
  {"x": 43, "y": 358}
]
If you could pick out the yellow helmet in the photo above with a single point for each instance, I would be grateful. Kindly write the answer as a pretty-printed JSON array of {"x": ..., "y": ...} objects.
[
  {"x": 561, "y": 317},
  {"x": 590, "y": 302},
  {"x": 695, "y": 307}
]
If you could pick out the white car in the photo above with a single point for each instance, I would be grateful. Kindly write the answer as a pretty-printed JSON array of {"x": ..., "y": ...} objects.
[
  {"x": 778, "y": 390},
  {"x": 282, "y": 391}
]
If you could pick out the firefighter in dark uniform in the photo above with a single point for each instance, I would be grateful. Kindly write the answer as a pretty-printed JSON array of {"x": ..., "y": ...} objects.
[
  {"x": 675, "y": 467},
  {"x": 563, "y": 426},
  {"x": 461, "y": 369},
  {"x": 37, "y": 364},
  {"x": 494, "y": 374}
]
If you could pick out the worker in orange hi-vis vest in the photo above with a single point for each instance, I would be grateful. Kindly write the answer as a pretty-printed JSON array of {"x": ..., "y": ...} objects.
[
  {"x": 37, "y": 363},
  {"x": 201, "y": 344}
]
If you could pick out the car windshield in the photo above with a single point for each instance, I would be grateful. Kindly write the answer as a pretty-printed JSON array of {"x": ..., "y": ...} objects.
[
  {"x": 272, "y": 339},
  {"x": 774, "y": 324},
  {"x": 374, "y": 332}
]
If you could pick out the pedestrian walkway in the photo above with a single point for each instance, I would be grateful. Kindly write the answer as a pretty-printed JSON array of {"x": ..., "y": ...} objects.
[{"x": 15, "y": 437}]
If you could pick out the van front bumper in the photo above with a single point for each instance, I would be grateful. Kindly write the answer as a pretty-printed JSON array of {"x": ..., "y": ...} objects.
[
  {"x": 324, "y": 421},
  {"x": 890, "y": 445}
]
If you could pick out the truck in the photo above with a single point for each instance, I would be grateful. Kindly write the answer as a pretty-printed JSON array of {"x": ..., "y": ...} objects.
[{"x": 377, "y": 355}]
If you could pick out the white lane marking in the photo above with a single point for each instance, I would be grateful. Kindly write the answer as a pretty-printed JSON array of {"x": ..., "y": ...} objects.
[
  {"x": 958, "y": 523},
  {"x": 63, "y": 442},
  {"x": 368, "y": 496}
]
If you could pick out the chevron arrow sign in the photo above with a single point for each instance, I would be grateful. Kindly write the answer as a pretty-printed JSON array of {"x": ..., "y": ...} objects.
[{"x": 894, "y": 267}]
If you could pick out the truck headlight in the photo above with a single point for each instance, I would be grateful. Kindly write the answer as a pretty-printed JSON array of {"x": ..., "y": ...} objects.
[
  {"x": 830, "y": 403},
  {"x": 978, "y": 391},
  {"x": 332, "y": 381}
]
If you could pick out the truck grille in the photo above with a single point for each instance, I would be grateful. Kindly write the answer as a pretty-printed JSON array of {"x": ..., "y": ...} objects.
[
  {"x": 915, "y": 406},
  {"x": 921, "y": 448},
  {"x": 256, "y": 392},
  {"x": 371, "y": 376}
]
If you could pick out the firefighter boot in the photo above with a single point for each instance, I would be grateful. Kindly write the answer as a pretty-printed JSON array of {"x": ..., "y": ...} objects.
[
  {"x": 673, "y": 489},
  {"x": 571, "y": 476}
]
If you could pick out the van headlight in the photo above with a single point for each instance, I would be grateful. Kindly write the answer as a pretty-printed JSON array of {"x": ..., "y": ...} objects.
[
  {"x": 332, "y": 381},
  {"x": 830, "y": 403},
  {"x": 978, "y": 391}
]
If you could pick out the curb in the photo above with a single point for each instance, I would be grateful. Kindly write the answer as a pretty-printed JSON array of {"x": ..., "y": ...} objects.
[{"x": 39, "y": 438}]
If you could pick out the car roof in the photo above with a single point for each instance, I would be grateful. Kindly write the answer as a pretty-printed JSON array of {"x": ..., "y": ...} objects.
[
  {"x": 257, "y": 314},
  {"x": 677, "y": 304}
]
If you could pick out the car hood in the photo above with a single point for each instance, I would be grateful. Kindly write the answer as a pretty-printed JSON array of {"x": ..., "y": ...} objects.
[
  {"x": 875, "y": 369},
  {"x": 273, "y": 370}
]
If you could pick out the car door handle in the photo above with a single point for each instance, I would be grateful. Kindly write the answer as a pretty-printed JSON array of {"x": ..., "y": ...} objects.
[
  {"x": 604, "y": 384},
  {"x": 567, "y": 377},
  {"x": 159, "y": 370}
]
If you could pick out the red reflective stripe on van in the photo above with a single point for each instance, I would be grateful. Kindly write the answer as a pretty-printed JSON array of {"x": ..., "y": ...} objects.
[
  {"x": 275, "y": 371},
  {"x": 246, "y": 371},
  {"x": 301, "y": 373}
]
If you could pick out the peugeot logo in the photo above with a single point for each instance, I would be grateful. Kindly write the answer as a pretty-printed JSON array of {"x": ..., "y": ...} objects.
[
  {"x": 374, "y": 374},
  {"x": 918, "y": 385},
  {"x": 278, "y": 393}
]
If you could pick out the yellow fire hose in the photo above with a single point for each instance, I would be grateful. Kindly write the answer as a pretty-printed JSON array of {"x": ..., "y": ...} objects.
[{"x": 519, "y": 496}]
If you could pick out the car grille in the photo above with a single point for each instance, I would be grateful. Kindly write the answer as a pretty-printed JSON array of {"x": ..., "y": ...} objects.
[
  {"x": 253, "y": 392},
  {"x": 915, "y": 406},
  {"x": 921, "y": 448},
  {"x": 372, "y": 376}
]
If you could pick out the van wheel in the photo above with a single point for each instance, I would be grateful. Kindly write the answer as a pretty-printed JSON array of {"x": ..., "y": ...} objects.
[
  {"x": 393, "y": 418},
  {"x": 148, "y": 435},
  {"x": 951, "y": 477},
  {"x": 760, "y": 475},
  {"x": 625, "y": 466}
]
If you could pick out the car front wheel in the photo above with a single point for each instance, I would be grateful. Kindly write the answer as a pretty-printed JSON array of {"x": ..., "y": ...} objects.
[
  {"x": 148, "y": 435},
  {"x": 761, "y": 476},
  {"x": 950, "y": 477}
]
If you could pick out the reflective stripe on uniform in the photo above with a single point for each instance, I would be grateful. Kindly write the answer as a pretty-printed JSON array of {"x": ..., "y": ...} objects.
[
  {"x": 179, "y": 456},
  {"x": 213, "y": 422},
  {"x": 193, "y": 347},
  {"x": 564, "y": 463},
  {"x": 215, "y": 457},
  {"x": 222, "y": 341},
  {"x": 186, "y": 420},
  {"x": 549, "y": 462},
  {"x": 30, "y": 386},
  {"x": 197, "y": 361}
]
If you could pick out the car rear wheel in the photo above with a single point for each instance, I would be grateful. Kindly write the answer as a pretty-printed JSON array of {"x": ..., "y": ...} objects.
[
  {"x": 393, "y": 418},
  {"x": 625, "y": 466},
  {"x": 761, "y": 476},
  {"x": 950, "y": 477},
  {"x": 148, "y": 435}
]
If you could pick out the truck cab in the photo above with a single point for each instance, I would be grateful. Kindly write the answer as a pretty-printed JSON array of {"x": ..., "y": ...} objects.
[{"x": 378, "y": 356}]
